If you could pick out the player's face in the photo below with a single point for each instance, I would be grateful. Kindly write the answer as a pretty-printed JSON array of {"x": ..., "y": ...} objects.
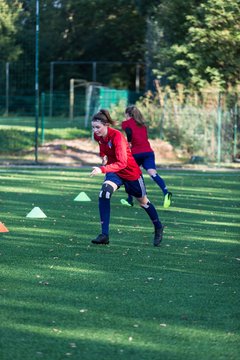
[{"x": 99, "y": 129}]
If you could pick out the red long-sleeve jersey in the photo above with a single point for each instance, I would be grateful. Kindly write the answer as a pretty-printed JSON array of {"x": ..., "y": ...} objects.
[
  {"x": 120, "y": 159},
  {"x": 140, "y": 143}
]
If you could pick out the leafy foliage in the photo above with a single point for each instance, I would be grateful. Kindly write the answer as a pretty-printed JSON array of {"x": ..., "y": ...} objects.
[
  {"x": 192, "y": 42},
  {"x": 213, "y": 43},
  {"x": 206, "y": 48},
  {"x": 9, "y": 16}
]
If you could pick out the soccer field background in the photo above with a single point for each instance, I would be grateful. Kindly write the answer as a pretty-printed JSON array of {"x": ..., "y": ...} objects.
[{"x": 62, "y": 297}]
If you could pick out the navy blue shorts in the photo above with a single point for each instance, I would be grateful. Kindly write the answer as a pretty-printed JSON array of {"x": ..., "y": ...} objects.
[
  {"x": 135, "y": 188},
  {"x": 146, "y": 160}
]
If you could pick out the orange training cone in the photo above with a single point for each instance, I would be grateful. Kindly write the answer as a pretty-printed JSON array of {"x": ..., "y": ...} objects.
[{"x": 3, "y": 228}]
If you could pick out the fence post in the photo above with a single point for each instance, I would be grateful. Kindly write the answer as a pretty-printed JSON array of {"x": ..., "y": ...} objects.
[
  {"x": 137, "y": 80},
  {"x": 163, "y": 116},
  {"x": 71, "y": 100},
  {"x": 51, "y": 89},
  {"x": 235, "y": 115},
  {"x": 42, "y": 116},
  {"x": 7, "y": 89},
  {"x": 36, "y": 80},
  {"x": 94, "y": 71},
  {"x": 219, "y": 132}
]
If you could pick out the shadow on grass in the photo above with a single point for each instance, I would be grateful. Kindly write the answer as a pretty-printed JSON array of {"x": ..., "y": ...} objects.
[{"x": 63, "y": 297}]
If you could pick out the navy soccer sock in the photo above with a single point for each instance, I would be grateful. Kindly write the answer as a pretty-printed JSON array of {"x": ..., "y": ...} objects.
[
  {"x": 130, "y": 199},
  {"x": 152, "y": 213},
  {"x": 160, "y": 183},
  {"x": 104, "y": 210}
]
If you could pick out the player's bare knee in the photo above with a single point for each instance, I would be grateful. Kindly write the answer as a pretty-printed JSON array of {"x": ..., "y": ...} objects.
[
  {"x": 145, "y": 205},
  {"x": 106, "y": 191},
  {"x": 143, "y": 202},
  {"x": 152, "y": 172}
]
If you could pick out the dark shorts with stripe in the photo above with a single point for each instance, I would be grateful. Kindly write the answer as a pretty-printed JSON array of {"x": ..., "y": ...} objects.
[
  {"x": 146, "y": 160},
  {"x": 135, "y": 188}
]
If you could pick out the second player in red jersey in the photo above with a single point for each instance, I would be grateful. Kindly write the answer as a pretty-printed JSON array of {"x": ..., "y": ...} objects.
[{"x": 137, "y": 136}]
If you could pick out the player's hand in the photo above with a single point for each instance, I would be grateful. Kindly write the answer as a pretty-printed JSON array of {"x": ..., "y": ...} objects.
[
  {"x": 104, "y": 160},
  {"x": 96, "y": 171}
]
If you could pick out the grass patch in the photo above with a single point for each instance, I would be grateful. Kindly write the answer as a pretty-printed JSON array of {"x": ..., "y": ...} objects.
[
  {"x": 62, "y": 297},
  {"x": 18, "y": 134},
  {"x": 13, "y": 141},
  {"x": 67, "y": 134},
  {"x": 28, "y": 122}
]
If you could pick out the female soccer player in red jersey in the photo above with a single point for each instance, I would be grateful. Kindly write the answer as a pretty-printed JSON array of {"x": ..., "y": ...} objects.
[
  {"x": 137, "y": 136},
  {"x": 119, "y": 168}
]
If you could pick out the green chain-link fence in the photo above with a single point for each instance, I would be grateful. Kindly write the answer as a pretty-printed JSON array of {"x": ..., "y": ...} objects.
[
  {"x": 208, "y": 128},
  {"x": 209, "y": 133}
]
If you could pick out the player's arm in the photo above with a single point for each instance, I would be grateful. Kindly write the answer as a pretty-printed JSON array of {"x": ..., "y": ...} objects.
[
  {"x": 120, "y": 153},
  {"x": 96, "y": 169},
  {"x": 128, "y": 132}
]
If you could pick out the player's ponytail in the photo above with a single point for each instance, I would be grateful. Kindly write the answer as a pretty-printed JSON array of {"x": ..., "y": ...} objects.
[
  {"x": 104, "y": 116},
  {"x": 136, "y": 114}
]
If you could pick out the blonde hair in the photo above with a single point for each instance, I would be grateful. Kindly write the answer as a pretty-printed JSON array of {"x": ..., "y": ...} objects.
[
  {"x": 103, "y": 116},
  {"x": 136, "y": 114}
]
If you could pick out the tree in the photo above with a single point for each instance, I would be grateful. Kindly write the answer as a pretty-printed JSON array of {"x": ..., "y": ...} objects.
[
  {"x": 87, "y": 30},
  {"x": 92, "y": 30},
  {"x": 9, "y": 15},
  {"x": 213, "y": 43},
  {"x": 202, "y": 46},
  {"x": 84, "y": 30}
]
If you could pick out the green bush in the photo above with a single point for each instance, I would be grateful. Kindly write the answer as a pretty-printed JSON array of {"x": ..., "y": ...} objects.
[{"x": 189, "y": 120}]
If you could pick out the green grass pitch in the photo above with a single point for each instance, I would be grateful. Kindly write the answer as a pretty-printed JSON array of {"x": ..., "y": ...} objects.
[{"x": 63, "y": 298}]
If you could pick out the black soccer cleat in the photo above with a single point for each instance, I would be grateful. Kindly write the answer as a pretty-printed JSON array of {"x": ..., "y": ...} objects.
[
  {"x": 101, "y": 239},
  {"x": 158, "y": 236}
]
